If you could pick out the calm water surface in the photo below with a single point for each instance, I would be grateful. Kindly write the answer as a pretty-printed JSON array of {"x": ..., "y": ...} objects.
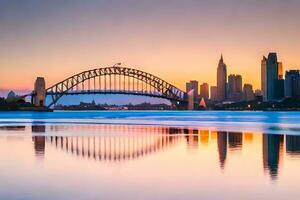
[{"x": 149, "y": 155}]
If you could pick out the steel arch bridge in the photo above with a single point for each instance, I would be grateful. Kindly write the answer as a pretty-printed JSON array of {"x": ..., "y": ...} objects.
[{"x": 115, "y": 80}]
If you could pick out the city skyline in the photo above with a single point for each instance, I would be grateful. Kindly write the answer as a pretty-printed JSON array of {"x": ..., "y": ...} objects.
[{"x": 58, "y": 39}]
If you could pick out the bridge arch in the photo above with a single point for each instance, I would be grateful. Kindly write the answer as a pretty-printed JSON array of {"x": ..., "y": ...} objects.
[{"x": 115, "y": 80}]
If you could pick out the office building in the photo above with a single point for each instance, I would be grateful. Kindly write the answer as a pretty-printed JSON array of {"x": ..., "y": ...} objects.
[
  {"x": 264, "y": 77},
  {"x": 248, "y": 92},
  {"x": 271, "y": 76},
  {"x": 204, "y": 91},
  {"x": 235, "y": 90},
  {"x": 193, "y": 85},
  {"x": 213, "y": 93},
  {"x": 292, "y": 83}
]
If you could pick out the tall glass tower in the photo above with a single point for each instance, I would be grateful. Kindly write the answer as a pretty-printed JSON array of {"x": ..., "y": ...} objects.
[
  {"x": 264, "y": 77},
  {"x": 272, "y": 76}
]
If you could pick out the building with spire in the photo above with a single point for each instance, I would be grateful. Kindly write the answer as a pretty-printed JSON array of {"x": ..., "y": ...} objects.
[{"x": 221, "y": 80}]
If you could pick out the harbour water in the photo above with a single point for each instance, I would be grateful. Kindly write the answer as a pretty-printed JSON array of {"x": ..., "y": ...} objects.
[{"x": 149, "y": 155}]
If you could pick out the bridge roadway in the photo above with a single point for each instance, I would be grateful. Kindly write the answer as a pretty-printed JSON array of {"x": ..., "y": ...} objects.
[{"x": 110, "y": 80}]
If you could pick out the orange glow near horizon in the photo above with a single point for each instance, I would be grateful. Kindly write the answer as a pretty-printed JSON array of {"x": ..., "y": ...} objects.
[{"x": 182, "y": 44}]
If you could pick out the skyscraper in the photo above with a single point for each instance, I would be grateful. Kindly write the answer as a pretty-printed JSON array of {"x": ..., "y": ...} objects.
[
  {"x": 213, "y": 93},
  {"x": 204, "y": 91},
  {"x": 271, "y": 75},
  {"x": 248, "y": 92},
  {"x": 279, "y": 89},
  {"x": 192, "y": 85},
  {"x": 264, "y": 77},
  {"x": 235, "y": 87},
  {"x": 221, "y": 80},
  {"x": 292, "y": 83}
]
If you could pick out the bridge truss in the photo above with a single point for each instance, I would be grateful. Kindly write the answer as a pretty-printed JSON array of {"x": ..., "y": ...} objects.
[{"x": 115, "y": 80}]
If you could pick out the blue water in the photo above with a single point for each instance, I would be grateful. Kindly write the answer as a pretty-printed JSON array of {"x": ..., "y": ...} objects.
[
  {"x": 149, "y": 155},
  {"x": 266, "y": 122}
]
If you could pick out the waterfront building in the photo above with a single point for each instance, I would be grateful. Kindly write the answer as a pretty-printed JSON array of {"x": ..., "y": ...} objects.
[
  {"x": 279, "y": 89},
  {"x": 213, "y": 93},
  {"x": 258, "y": 92},
  {"x": 271, "y": 76},
  {"x": 248, "y": 92},
  {"x": 193, "y": 85},
  {"x": 235, "y": 91},
  {"x": 204, "y": 91},
  {"x": 292, "y": 83},
  {"x": 258, "y": 95},
  {"x": 221, "y": 80},
  {"x": 264, "y": 77}
]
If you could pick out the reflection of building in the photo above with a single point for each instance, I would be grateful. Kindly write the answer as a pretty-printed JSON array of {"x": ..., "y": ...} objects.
[
  {"x": 192, "y": 138},
  {"x": 221, "y": 80},
  {"x": 12, "y": 128},
  {"x": 235, "y": 140},
  {"x": 222, "y": 148},
  {"x": 204, "y": 136},
  {"x": 272, "y": 145},
  {"x": 39, "y": 141},
  {"x": 292, "y": 144},
  {"x": 248, "y": 137},
  {"x": 39, "y": 146},
  {"x": 38, "y": 128}
]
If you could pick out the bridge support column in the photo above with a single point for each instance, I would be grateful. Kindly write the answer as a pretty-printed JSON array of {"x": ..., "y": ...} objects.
[
  {"x": 39, "y": 92},
  {"x": 190, "y": 96}
]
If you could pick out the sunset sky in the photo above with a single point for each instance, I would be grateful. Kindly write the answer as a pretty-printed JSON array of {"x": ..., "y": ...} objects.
[{"x": 174, "y": 39}]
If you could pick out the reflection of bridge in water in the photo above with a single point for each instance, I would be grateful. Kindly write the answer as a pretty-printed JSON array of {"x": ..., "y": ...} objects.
[
  {"x": 110, "y": 148},
  {"x": 114, "y": 143},
  {"x": 132, "y": 143}
]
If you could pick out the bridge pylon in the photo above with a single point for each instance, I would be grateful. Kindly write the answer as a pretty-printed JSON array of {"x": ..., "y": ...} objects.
[{"x": 39, "y": 93}]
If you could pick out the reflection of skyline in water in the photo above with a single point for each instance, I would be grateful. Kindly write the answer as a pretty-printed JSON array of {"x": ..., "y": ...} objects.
[
  {"x": 12, "y": 128},
  {"x": 139, "y": 141},
  {"x": 222, "y": 148},
  {"x": 272, "y": 152}
]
